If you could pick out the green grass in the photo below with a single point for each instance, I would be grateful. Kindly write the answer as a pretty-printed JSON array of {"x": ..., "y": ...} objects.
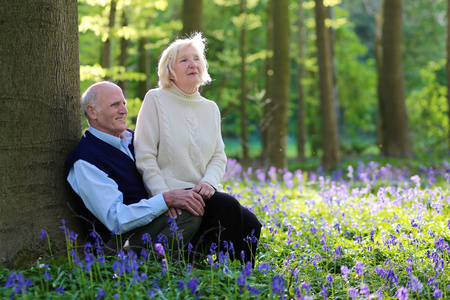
[{"x": 374, "y": 230}]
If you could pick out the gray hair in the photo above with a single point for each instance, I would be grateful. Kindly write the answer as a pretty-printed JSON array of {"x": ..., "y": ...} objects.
[
  {"x": 89, "y": 97},
  {"x": 165, "y": 65}
]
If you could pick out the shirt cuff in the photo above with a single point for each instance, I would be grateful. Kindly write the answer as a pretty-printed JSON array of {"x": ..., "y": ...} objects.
[{"x": 160, "y": 203}]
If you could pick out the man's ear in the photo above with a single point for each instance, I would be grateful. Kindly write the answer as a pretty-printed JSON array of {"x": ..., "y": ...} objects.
[{"x": 92, "y": 112}]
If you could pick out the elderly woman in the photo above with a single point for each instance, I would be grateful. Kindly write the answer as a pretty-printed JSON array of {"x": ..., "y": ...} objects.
[{"x": 179, "y": 145}]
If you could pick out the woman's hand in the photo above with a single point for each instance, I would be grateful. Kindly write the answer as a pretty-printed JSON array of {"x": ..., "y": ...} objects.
[
  {"x": 173, "y": 212},
  {"x": 204, "y": 189}
]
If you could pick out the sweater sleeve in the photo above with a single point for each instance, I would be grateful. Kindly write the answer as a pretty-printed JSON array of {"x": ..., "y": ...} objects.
[
  {"x": 146, "y": 142},
  {"x": 215, "y": 168}
]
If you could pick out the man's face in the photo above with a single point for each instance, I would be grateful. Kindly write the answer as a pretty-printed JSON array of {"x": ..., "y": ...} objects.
[{"x": 110, "y": 112}]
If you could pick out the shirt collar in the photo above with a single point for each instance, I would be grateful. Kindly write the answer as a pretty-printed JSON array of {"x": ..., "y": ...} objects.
[{"x": 110, "y": 139}]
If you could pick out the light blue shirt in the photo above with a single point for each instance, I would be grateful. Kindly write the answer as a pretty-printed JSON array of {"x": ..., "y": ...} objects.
[{"x": 101, "y": 194}]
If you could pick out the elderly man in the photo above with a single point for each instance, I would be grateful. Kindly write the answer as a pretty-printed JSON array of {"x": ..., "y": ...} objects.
[{"x": 111, "y": 195}]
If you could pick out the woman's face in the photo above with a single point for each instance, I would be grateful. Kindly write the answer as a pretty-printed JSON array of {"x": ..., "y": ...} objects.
[{"x": 187, "y": 68}]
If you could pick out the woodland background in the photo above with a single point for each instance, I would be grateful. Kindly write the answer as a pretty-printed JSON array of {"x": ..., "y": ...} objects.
[
  {"x": 296, "y": 81},
  {"x": 326, "y": 99}
]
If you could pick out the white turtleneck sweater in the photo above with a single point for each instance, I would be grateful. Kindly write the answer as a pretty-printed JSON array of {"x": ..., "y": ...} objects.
[{"x": 178, "y": 141}]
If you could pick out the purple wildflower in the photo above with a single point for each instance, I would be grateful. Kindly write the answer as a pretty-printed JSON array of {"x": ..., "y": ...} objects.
[
  {"x": 437, "y": 293},
  {"x": 278, "y": 284},
  {"x": 181, "y": 285},
  {"x": 43, "y": 234},
  {"x": 345, "y": 270},
  {"x": 192, "y": 285},
  {"x": 159, "y": 248},
  {"x": 416, "y": 285},
  {"x": 100, "y": 293},
  {"x": 241, "y": 280},
  {"x": 306, "y": 286},
  {"x": 402, "y": 293},
  {"x": 359, "y": 267},
  {"x": 353, "y": 293}
]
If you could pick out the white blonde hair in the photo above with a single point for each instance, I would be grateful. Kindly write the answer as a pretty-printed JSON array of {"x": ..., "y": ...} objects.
[{"x": 169, "y": 55}]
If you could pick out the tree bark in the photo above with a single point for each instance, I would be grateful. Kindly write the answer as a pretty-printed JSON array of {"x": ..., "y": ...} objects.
[
  {"x": 243, "y": 83},
  {"x": 144, "y": 66},
  {"x": 395, "y": 127},
  {"x": 106, "y": 58},
  {"x": 301, "y": 120},
  {"x": 123, "y": 57},
  {"x": 267, "y": 117},
  {"x": 40, "y": 124},
  {"x": 330, "y": 142},
  {"x": 192, "y": 16},
  {"x": 278, "y": 129},
  {"x": 448, "y": 69}
]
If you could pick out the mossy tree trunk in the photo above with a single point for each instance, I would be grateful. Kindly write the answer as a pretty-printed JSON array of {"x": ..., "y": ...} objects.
[
  {"x": 395, "y": 128},
  {"x": 330, "y": 141},
  {"x": 40, "y": 124},
  {"x": 278, "y": 128}
]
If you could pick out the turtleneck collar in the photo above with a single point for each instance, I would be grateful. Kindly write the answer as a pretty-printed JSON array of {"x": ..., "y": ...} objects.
[{"x": 175, "y": 90}]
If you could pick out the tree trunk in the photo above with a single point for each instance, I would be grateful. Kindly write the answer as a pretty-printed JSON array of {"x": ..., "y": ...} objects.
[
  {"x": 379, "y": 61},
  {"x": 123, "y": 53},
  {"x": 448, "y": 69},
  {"x": 144, "y": 66},
  {"x": 301, "y": 120},
  {"x": 330, "y": 142},
  {"x": 244, "y": 121},
  {"x": 192, "y": 16},
  {"x": 278, "y": 129},
  {"x": 40, "y": 124},
  {"x": 106, "y": 58},
  {"x": 396, "y": 138},
  {"x": 267, "y": 117}
]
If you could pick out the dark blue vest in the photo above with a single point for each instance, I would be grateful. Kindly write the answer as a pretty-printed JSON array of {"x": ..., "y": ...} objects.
[{"x": 119, "y": 167}]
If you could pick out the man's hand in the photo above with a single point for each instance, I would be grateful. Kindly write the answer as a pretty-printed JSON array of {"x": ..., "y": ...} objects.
[
  {"x": 184, "y": 199},
  {"x": 173, "y": 212},
  {"x": 204, "y": 189}
]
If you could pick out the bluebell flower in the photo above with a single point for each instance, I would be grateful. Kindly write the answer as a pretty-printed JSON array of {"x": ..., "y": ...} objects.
[
  {"x": 159, "y": 248},
  {"x": 323, "y": 292},
  {"x": 353, "y": 293},
  {"x": 100, "y": 293},
  {"x": 402, "y": 293},
  {"x": 278, "y": 284},
  {"x": 43, "y": 234},
  {"x": 180, "y": 285},
  {"x": 364, "y": 290},
  {"x": 345, "y": 270},
  {"x": 359, "y": 267},
  {"x": 47, "y": 276},
  {"x": 241, "y": 280},
  {"x": 192, "y": 285},
  {"x": 437, "y": 293},
  {"x": 264, "y": 267},
  {"x": 330, "y": 279},
  {"x": 416, "y": 285},
  {"x": 253, "y": 290}
]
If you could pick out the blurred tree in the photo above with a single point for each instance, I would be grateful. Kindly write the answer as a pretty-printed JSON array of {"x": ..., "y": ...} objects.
[
  {"x": 278, "y": 128},
  {"x": 266, "y": 116},
  {"x": 107, "y": 43},
  {"x": 448, "y": 69},
  {"x": 40, "y": 124},
  {"x": 244, "y": 120},
  {"x": 301, "y": 109},
  {"x": 123, "y": 57},
  {"x": 192, "y": 16},
  {"x": 396, "y": 141},
  {"x": 330, "y": 142}
]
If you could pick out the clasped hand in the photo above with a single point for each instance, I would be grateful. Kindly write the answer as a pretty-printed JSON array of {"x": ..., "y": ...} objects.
[{"x": 189, "y": 200}]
